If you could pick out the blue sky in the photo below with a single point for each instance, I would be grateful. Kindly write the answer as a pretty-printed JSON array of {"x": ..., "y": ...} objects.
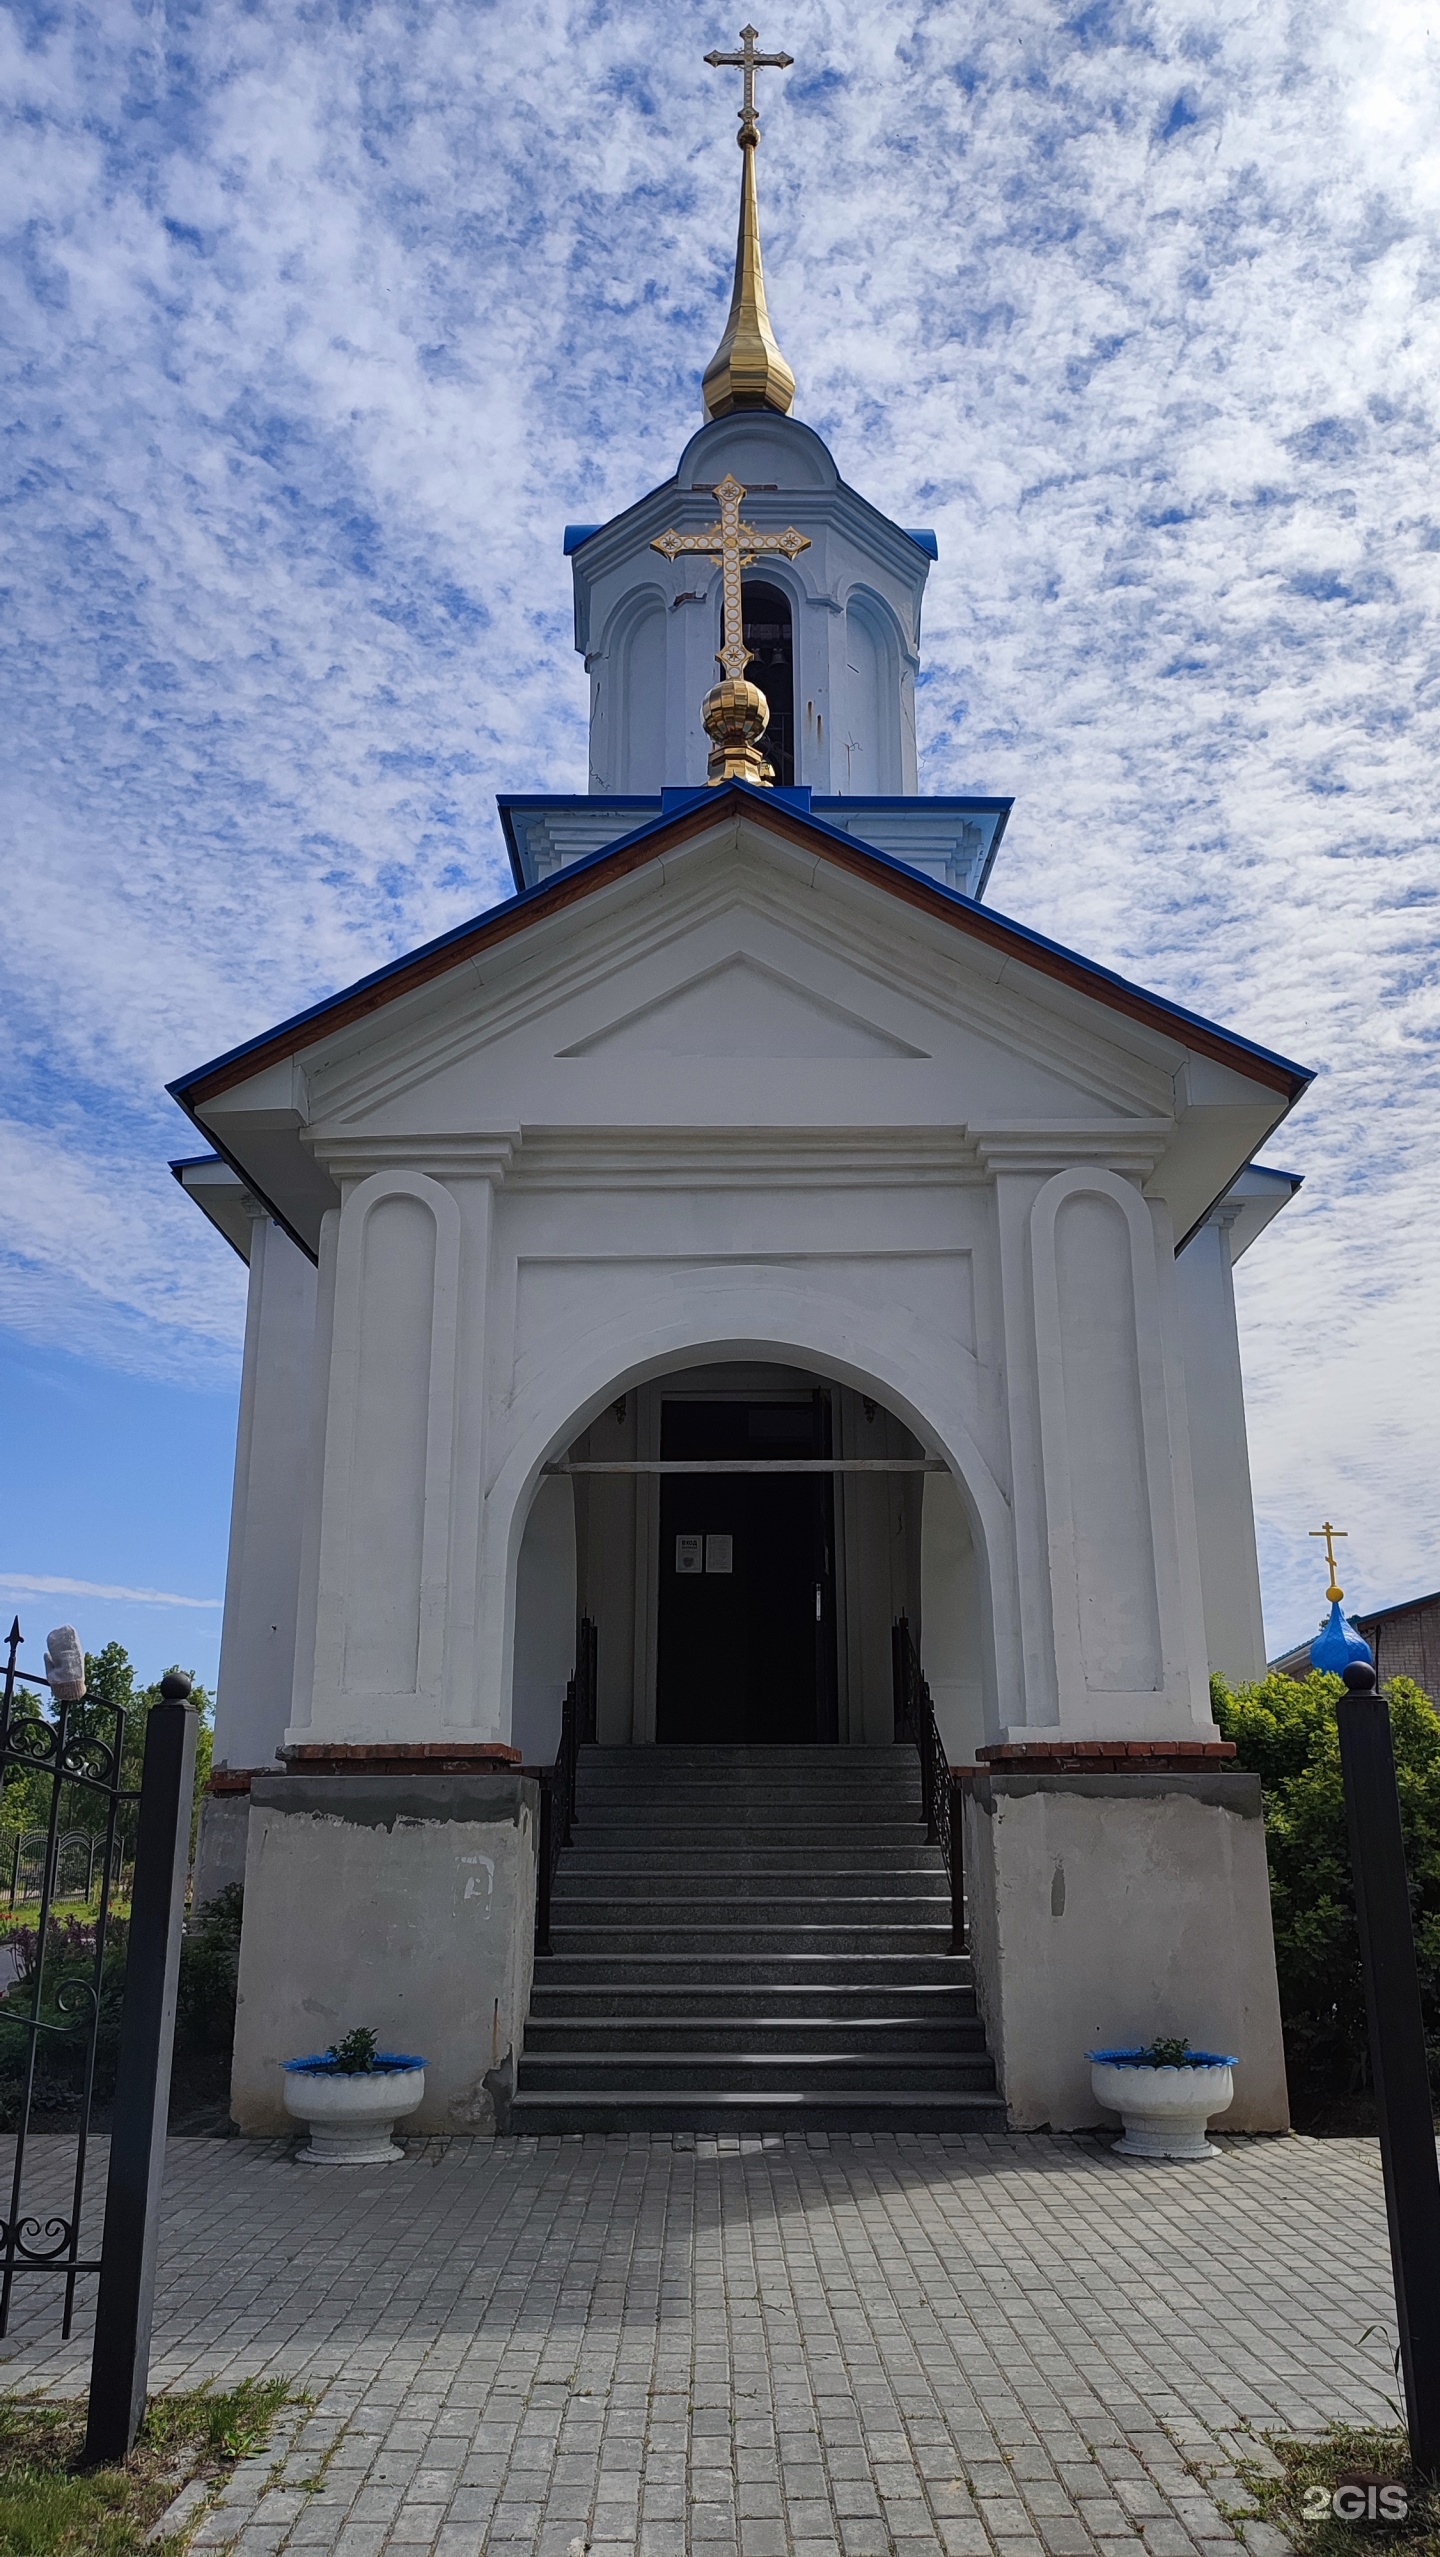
[{"x": 321, "y": 321}]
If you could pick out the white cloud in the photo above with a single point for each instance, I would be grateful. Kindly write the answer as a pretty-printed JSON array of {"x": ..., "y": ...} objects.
[
  {"x": 323, "y": 324},
  {"x": 28, "y": 1584}
]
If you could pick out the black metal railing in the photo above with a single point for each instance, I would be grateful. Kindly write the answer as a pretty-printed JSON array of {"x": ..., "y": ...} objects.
[
  {"x": 939, "y": 1785},
  {"x": 557, "y": 1783}
]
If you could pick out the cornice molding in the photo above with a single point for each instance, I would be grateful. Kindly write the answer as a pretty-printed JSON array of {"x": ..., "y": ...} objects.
[
  {"x": 606, "y": 1158},
  {"x": 1124, "y": 1146},
  {"x": 485, "y": 1156},
  {"x": 744, "y": 1158}
]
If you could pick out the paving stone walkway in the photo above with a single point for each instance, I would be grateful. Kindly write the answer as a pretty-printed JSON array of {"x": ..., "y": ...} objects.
[{"x": 782, "y": 2348}]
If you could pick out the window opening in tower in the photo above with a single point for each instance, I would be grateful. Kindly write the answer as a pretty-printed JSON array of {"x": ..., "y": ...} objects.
[{"x": 767, "y": 627}]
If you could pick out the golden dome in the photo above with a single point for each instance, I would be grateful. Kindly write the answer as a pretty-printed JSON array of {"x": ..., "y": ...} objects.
[{"x": 736, "y": 715}]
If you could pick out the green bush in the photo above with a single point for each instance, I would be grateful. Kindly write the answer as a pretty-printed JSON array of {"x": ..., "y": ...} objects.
[
  {"x": 204, "y": 2014},
  {"x": 209, "y": 1966},
  {"x": 1285, "y": 1729}
]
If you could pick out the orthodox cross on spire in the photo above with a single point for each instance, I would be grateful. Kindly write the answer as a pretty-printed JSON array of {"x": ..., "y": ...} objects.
[
  {"x": 1337, "y": 1647},
  {"x": 735, "y": 545},
  {"x": 1330, "y": 1533},
  {"x": 747, "y": 369},
  {"x": 749, "y": 61},
  {"x": 736, "y": 713}
]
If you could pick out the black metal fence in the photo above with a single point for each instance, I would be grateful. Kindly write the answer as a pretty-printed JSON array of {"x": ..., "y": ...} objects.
[
  {"x": 89, "y": 1986},
  {"x": 76, "y": 1852},
  {"x": 557, "y": 1783},
  {"x": 939, "y": 1785},
  {"x": 50, "y": 2018}
]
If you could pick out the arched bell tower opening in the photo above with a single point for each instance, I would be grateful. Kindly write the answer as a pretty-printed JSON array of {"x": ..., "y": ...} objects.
[{"x": 769, "y": 636}]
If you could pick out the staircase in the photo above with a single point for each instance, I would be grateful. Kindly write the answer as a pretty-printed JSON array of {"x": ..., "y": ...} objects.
[{"x": 752, "y": 1939}]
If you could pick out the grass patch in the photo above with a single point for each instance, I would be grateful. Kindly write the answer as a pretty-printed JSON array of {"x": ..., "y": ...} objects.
[
  {"x": 1297, "y": 2499},
  {"x": 51, "y": 2505}
]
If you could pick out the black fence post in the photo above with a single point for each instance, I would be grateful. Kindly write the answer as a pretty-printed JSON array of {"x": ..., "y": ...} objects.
[
  {"x": 1397, "y": 2048},
  {"x": 120, "y": 2365}
]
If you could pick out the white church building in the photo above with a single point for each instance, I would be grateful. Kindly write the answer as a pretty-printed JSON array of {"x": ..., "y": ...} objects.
[{"x": 742, "y": 1241}]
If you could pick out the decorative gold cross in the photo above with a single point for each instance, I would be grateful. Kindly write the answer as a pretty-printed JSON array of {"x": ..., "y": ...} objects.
[
  {"x": 735, "y": 545},
  {"x": 749, "y": 61},
  {"x": 1330, "y": 1533}
]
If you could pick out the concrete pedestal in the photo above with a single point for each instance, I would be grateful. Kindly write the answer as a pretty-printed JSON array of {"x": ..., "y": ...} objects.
[
  {"x": 1107, "y": 1909},
  {"x": 403, "y": 1902}
]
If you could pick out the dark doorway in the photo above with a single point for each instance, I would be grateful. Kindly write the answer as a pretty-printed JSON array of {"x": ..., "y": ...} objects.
[
  {"x": 747, "y": 1584},
  {"x": 765, "y": 617}
]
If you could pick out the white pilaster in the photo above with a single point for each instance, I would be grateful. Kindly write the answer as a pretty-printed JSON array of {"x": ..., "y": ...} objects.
[
  {"x": 257, "y": 1647},
  {"x": 1219, "y": 1454}
]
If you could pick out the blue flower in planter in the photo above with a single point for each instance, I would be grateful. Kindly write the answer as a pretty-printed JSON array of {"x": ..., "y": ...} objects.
[{"x": 1136, "y": 2059}]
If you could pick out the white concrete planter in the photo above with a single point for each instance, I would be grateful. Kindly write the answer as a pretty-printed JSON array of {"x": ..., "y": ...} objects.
[
  {"x": 1164, "y": 2110},
  {"x": 350, "y": 2118}
]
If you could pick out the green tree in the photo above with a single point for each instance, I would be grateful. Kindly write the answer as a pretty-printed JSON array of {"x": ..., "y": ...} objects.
[
  {"x": 109, "y": 1681},
  {"x": 1286, "y": 1730}
]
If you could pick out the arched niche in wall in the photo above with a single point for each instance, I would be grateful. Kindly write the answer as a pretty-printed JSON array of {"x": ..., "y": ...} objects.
[
  {"x": 386, "y": 1524},
  {"x": 1104, "y": 1435},
  {"x": 868, "y": 756},
  {"x": 637, "y": 671}
]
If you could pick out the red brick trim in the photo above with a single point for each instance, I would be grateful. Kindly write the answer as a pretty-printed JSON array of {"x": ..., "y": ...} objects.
[
  {"x": 401, "y": 1758},
  {"x": 1108, "y": 1757},
  {"x": 235, "y": 1779}
]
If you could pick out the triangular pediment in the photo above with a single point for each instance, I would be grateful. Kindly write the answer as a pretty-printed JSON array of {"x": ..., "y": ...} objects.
[
  {"x": 739, "y": 968},
  {"x": 740, "y": 1008},
  {"x": 724, "y": 989}
]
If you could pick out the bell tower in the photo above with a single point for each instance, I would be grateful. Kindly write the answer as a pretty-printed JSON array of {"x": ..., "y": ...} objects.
[{"x": 756, "y": 557}]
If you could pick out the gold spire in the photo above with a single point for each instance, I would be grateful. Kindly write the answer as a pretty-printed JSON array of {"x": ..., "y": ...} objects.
[
  {"x": 1330, "y": 1533},
  {"x": 747, "y": 369}
]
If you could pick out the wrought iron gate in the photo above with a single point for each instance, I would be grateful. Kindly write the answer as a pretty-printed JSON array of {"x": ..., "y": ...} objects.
[
  {"x": 52, "y": 2013},
  {"x": 73, "y": 1755}
]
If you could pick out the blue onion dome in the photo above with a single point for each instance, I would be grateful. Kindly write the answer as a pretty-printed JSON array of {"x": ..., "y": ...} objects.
[{"x": 1337, "y": 1644}]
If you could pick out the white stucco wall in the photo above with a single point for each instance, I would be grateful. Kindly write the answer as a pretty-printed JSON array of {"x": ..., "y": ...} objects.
[
  {"x": 257, "y": 1643},
  {"x": 1219, "y": 1453},
  {"x": 715, "y": 1118},
  {"x": 1105, "y": 1910},
  {"x": 410, "y": 1904}
]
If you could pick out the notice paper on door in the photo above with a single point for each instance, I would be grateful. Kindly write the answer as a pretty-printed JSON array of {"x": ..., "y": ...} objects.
[
  {"x": 689, "y": 1553},
  {"x": 719, "y": 1553}
]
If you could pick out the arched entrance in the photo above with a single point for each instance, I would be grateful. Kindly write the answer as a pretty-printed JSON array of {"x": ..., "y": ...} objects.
[{"x": 744, "y": 1534}]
